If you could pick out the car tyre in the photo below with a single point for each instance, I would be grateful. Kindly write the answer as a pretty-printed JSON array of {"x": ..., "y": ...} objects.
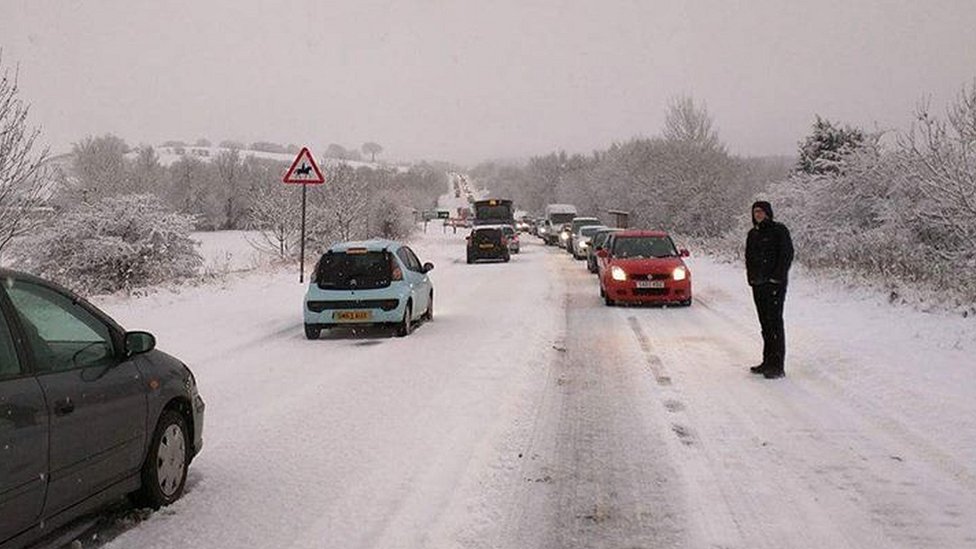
[
  {"x": 606, "y": 299},
  {"x": 312, "y": 332},
  {"x": 406, "y": 325},
  {"x": 166, "y": 465},
  {"x": 686, "y": 303}
]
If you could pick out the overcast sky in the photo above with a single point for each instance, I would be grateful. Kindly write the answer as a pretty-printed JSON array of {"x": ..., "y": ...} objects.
[{"x": 465, "y": 81}]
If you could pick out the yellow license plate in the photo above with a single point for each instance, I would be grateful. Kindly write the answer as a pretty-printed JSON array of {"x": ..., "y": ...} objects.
[
  {"x": 352, "y": 315},
  {"x": 486, "y": 246}
]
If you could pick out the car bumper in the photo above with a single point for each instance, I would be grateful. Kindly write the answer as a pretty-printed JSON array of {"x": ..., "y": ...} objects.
[
  {"x": 494, "y": 253},
  {"x": 199, "y": 407},
  {"x": 627, "y": 291},
  {"x": 326, "y": 311}
]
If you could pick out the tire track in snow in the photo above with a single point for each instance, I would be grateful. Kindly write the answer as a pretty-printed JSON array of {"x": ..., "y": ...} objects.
[
  {"x": 826, "y": 456},
  {"x": 612, "y": 484}
]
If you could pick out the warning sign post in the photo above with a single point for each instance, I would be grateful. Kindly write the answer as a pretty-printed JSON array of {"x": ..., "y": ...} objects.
[{"x": 303, "y": 171}]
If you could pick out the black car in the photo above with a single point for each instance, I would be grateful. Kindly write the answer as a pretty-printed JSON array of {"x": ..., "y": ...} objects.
[
  {"x": 487, "y": 243},
  {"x": 88, "y": 412}
]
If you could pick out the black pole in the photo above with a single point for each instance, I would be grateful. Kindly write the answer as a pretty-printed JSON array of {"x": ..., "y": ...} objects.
[{"x": 301, "y": 273}]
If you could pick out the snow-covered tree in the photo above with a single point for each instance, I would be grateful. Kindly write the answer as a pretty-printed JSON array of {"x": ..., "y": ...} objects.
[
  {"x": 229, "y": 167},
  {"x": 276, "y": 215},
  {"x": 688, "y": 123},
  {"x": 938, "y": 160},
  {"x": 147, "y": 174},
  {"x": 823, "y": 151},
  {"x": 116, "y": 243},
  {"x": 372, "y": 149},
  {"x": 22, "y": 176},
  {"x": 99, "y": 169},
  {"x": 336, "y": 151},
  {"x": 340, "y": 207}
]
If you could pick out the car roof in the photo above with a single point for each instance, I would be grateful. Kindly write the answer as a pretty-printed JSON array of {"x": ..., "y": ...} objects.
[
  {"x": 374, "y": 245},
  {"x": 585, "y": 218},
  {"x": 639, "y": 232},
  {"x": 5, "y": 273},
  {"x": 495, "y": 226}
]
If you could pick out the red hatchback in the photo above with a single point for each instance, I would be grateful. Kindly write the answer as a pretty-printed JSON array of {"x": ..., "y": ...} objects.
[{"x": 644, "y": 267}]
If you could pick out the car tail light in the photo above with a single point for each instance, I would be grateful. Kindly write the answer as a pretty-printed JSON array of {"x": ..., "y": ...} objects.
[
  {"x": 395, "y": 270},
  {"x": 504, "y": 241}
]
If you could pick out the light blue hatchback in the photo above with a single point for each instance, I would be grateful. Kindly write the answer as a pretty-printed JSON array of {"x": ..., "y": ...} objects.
[{"x": 376, "y": 282}]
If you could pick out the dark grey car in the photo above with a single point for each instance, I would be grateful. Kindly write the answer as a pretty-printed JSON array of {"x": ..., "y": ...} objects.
[{"x": 88, "y": 412}]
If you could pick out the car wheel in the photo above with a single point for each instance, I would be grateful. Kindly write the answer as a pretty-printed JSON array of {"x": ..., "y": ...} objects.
[
  {"x": 602, "y": 293},
  {"x": 164, "y": 471},
  {"x": 686, "y": 303},
  {"x": 429, "y": 315},
  {"x": 470, "y": 260},
  {"x": 406, "y": 325},
  {"x": 312, "y": 332},
  {"x": 607, "y": 300}
]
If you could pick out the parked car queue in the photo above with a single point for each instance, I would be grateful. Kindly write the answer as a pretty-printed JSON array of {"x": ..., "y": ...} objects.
[{"x": 633, "y": 266}]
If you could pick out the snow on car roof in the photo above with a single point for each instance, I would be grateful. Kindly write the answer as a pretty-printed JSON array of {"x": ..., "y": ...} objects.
[{"x": 375, "y": 245}]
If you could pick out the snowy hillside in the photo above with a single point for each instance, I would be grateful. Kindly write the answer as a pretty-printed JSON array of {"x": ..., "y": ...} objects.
[{"x": 169, "y": 155}]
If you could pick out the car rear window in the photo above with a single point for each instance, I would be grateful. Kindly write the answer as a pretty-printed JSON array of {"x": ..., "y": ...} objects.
[
  {"x": 643, "y": 247},
  {"x": 354, "y": 270},
  {"x": 487, "y": 235}
]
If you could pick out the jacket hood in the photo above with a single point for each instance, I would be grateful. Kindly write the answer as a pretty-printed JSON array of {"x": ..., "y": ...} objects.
[{"x": 766, "y": 206}]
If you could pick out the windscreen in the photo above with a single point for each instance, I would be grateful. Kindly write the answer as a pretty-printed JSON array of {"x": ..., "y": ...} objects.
[
  {"x": 588, "y": 231},
  {"x": 560, "y": 218},
  {"x": 583, "y": 222},
  {"x": 493, "y": 209},
  {"x": 633, "y": 247},
  {"x": 354, "y": 270}
]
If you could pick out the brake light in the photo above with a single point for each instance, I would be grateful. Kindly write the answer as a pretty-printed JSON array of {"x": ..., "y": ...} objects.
[{"x": 396, "y": 273}]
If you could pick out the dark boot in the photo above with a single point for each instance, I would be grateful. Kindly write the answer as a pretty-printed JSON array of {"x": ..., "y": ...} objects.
[
  {"x": 758, "y": 369},
  {"x": 773, "y": 374}
]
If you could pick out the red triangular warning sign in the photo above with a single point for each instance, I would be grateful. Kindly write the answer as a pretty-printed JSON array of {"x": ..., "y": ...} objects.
[{"x": 304, "y": 170}]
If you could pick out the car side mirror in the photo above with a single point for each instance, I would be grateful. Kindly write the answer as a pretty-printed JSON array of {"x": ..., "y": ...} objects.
[
  {"x": 428, "y": 267},
  {"x": 137, "y": 343},
  {"x": 602, "y": 253},
  {"x": 684, "y": 252}
]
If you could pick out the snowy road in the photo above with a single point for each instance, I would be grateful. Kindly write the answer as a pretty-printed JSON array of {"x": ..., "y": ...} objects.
[{"x": 530, "y": 415}]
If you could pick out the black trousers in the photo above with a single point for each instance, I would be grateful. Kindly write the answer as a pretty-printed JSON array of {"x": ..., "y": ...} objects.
[{"x": 769, "y": 300}]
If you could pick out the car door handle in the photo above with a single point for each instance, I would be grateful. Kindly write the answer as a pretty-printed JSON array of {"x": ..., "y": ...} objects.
[{"x": 64, "y": 407}]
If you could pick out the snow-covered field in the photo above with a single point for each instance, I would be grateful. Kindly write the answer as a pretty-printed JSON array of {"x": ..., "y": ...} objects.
[
  {"x": 230, "y": 251},
  {"x": 530, "y": 415},
  {"x": 170, "y": 155}
]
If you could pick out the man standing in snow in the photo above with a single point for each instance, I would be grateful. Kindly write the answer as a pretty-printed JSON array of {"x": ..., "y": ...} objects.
[{"x": 769, "y": 253}]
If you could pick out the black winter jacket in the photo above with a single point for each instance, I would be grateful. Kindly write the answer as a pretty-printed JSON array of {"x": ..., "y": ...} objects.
[{"x": 769, "y": 250}]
